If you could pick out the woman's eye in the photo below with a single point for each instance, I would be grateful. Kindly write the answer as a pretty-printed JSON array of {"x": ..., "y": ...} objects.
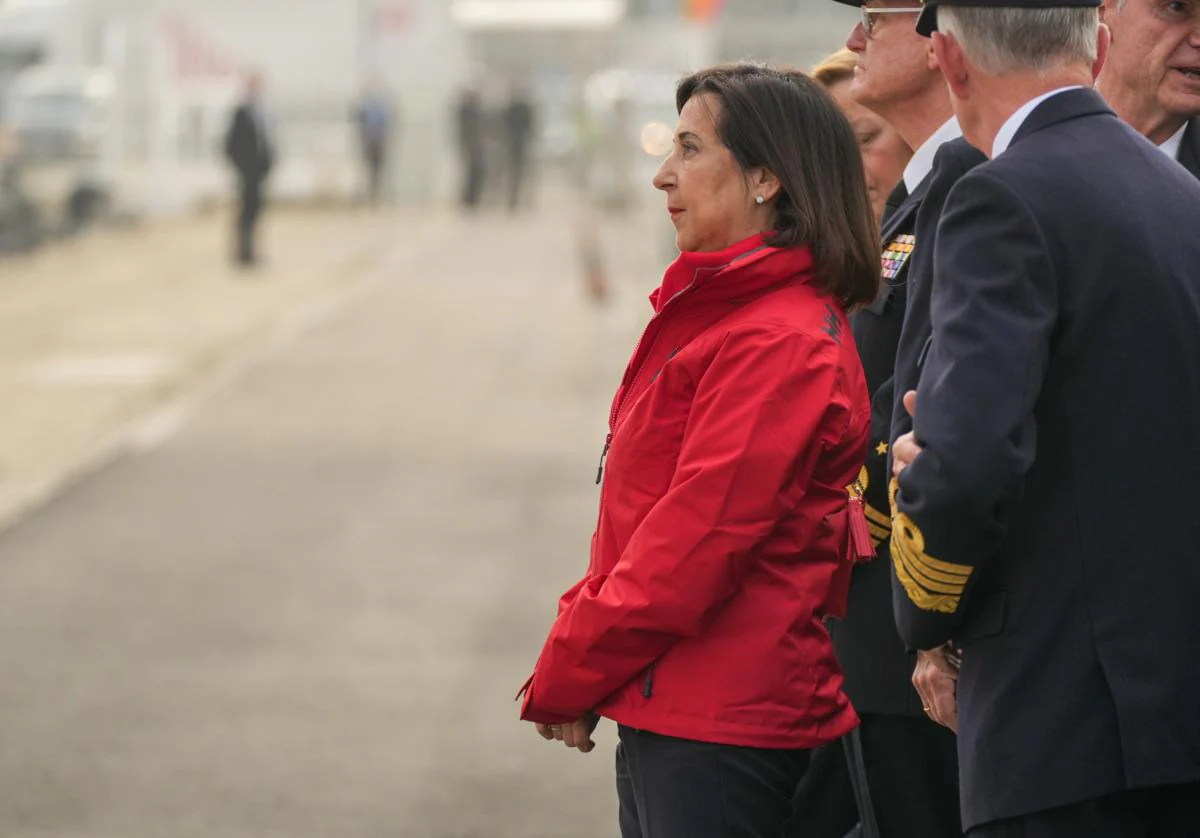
[{"x": 866, "y": 139}]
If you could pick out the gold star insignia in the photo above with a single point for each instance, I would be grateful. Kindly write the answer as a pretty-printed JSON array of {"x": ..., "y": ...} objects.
[{"x": 881, "y": 449}]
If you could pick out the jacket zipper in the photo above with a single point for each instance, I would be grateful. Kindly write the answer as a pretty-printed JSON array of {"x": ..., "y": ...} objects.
[{"x": 637, "y": 371}]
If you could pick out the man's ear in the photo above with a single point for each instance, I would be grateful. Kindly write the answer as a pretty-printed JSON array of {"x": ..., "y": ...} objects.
[
  {"x": 1103, "y": 40},
  {"x": 953, "y": 63}
]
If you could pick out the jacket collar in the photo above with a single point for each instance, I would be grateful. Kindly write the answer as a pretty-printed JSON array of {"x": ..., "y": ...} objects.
[
  {"x": 748, "y": 267},
  {"x": 1065, "y": 106}
]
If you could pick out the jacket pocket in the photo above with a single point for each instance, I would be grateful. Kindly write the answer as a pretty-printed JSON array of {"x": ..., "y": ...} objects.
[{"x": 648, "y": 684}]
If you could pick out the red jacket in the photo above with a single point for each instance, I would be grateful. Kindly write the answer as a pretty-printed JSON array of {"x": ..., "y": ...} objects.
[{"x": 742, "y": 418}]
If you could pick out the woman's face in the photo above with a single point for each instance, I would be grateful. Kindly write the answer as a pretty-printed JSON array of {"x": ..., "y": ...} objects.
[
  {"x": 884, "y": 154},
  {"x": 710, "y": 199}
]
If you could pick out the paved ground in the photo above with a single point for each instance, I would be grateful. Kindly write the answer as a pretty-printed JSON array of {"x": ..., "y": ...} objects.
[
  {"x": 96, "y": 331},
  {"x": 306, "y": 612}
]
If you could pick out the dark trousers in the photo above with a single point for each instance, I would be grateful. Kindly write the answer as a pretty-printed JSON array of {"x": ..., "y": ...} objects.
[
  {"x": 1163, "y": 812},
  {"x": 374, "y": 158},
  {"x": 517, "y": 174},
  {"x": 912, "y": 776},
  {"x": 250, "y": 207},
  {"x": 678, "y": 788},
  {"x": 824, "y": 806},
  {"x": 473, "y": 181}
]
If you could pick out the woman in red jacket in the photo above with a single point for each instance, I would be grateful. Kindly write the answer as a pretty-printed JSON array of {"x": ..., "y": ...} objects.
[{"x": 740, "y": 422}]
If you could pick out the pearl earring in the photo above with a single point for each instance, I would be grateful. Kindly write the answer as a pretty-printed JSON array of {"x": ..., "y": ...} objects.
[{"x": 760, "y": 200}]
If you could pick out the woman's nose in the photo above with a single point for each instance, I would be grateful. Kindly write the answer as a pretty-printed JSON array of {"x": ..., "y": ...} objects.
[{"x": 664, "y": 178}]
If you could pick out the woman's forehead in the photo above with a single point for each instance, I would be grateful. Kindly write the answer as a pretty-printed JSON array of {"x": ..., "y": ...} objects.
[{"x": 699, "y": 114}]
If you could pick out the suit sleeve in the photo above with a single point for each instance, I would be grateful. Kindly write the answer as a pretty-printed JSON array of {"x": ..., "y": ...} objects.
[
  {"x": 750, "y": 444},
  {"x": 993, "y": 311}
]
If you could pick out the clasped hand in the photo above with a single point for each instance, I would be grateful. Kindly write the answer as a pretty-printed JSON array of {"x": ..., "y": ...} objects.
[{"x": 577, "y": 734}]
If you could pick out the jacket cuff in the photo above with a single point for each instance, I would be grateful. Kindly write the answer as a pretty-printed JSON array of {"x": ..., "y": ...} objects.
[{"x": 530, "y": 713}]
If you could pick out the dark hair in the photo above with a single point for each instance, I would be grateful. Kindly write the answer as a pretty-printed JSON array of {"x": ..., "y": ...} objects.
[{"x": 783, "y": 121}]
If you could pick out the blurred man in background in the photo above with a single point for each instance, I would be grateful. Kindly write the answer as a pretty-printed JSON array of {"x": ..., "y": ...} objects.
[
  {"x": 249, "y": 148},
  {"x": 376, "y": 116},
  {"x": 519, "y": 120},
  {"x": 471, "y": 120}
]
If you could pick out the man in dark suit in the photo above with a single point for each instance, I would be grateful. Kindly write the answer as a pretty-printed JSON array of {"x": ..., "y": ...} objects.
[
  {"x": 471, "y": 124},
  {"x": 1059, "y": 390},
  {"x": 249, "y": 148},
  {"x": 1152, "y": 75},
  {"x": 903, "y": 765}
]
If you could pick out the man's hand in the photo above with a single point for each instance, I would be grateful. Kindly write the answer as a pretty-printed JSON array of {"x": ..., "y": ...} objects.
[
  {"x": 936, "y": 681},
  {"x": 577, "y": 734},
  {"x": 905, "y": 449}
]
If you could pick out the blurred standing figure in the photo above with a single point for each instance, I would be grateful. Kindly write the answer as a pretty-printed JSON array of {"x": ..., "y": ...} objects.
[
  {"x": 249, "y": 147},
  {"x": 518, "y": 122},
  {"x": 472, "y": 136},
  {"x": 376, "y": 118}
]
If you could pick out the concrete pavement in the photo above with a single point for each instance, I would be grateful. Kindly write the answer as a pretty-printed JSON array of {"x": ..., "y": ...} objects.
[
  {"x": 96, "y": 332},
  {"x": 306, "y": 610}
]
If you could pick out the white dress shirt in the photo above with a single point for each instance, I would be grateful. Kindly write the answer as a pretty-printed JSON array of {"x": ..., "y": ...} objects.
[
  {"x": 921, "y": 164},
  {"x": 1172, "y": 144}
]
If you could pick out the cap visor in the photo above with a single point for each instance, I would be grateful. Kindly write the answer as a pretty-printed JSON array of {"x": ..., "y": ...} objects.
[{"x": 927, "y": 22}]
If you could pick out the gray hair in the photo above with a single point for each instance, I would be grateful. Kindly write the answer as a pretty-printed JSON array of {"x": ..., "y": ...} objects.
[{"x": 1009, "y": 40}]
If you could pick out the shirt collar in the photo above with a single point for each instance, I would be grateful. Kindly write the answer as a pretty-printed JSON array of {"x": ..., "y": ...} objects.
[
  {"x": 1010, "y": 128},
  {"x": 1172, "y": 144},
  {"x": 921, "y": 164}
]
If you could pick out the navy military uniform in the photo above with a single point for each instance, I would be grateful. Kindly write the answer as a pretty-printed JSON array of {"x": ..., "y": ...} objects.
[
  {"x": 910, "y": 762},
  {"x": 1049, "y": 527},
  {"x": 953, "y": 160}
]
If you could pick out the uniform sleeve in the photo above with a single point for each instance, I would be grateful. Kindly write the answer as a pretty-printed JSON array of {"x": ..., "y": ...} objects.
[
  {"x": 874, "y": 474},
  {"x": 993, "y": 311},
  {"x": 749, "y": 447}
]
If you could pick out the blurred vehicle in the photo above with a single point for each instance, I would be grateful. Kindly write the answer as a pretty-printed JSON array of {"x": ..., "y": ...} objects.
[
  {"x": 18, "y": 217},
  {"x": 61, "y": 118}
]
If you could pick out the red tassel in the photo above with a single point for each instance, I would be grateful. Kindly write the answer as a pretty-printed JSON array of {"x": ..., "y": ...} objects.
[{"x": 861, "y": 548}]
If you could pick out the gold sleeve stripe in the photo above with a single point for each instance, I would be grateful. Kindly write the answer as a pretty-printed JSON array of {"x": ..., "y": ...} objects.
[
  {"x": 919, "y": 597},
  {"x": 931, "y": 584},
  {"x": 937, "y": 585},
  {"x": 917, "y": 563},
  {"x": 877, "y": 516},
  {"x": 878, "y": 531}
]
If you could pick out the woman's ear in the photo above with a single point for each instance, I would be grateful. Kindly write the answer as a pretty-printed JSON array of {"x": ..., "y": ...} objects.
[{"x": 763, "y": 184}]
